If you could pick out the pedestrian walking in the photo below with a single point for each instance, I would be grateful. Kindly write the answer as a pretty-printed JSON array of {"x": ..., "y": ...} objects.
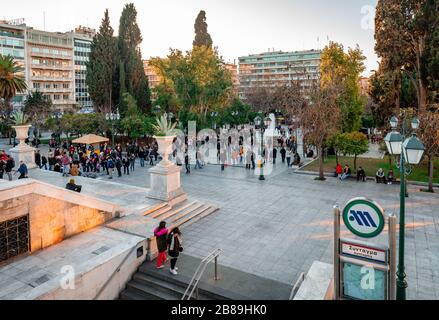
[
  {"x": 175, "y": 248},
  {"x": 187, "y": 164},
  {"x": 10, "y": 164},
  {"x": 22, "y": 170},
  {"x": 161, "y": 234}
]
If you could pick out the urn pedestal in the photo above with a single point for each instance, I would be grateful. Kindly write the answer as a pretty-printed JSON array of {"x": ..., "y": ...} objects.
[
  {"x": 166, "y": 176},
  {"x": 23, "y": 152}
]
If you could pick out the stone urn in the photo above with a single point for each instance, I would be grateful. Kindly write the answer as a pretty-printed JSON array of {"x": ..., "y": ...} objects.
[
  {"x": 165, "y": 149},
  {"x": 166, "y": 176},
  {"x": 23, "y": 152},
  {"x": 22, "y": 132}
]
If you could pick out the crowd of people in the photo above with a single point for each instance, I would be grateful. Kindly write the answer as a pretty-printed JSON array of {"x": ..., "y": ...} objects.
[
  {"x": 345, "y": 172},
  {"x": 7, "y": 165},
  {"x": 81, "y": 160}
]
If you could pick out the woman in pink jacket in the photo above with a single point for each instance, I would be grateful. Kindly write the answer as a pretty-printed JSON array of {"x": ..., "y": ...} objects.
[{"x": 161, "y": 234}]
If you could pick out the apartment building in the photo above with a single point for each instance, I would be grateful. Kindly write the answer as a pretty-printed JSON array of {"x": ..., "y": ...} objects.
[
  {"x": 13, "y": 43},
  {"x": 275, "y": 68},
  {"x": 50, "y": 67},
  {"x": 82, "y": 40},
  {"x": 233, "y": 69}
]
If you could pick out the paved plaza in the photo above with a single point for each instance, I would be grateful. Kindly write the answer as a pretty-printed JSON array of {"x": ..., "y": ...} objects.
[{"x": 277, "y": 228}]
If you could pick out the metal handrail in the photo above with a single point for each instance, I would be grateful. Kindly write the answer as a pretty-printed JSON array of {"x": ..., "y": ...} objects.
[
  {"x": 296, "y": 285},
  {"x": 115, "y": 272},
  {"x": 199, "y": 273}
]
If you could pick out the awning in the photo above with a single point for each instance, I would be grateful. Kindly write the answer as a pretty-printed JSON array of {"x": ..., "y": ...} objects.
[{"x": 91, "y": 139}]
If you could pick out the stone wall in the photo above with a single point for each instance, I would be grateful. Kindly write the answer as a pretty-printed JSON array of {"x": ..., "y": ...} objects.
[{"x": 51, "y": 220}]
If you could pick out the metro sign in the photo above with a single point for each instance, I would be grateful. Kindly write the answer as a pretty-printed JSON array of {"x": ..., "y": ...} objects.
[{"x": 363, "y": 217}]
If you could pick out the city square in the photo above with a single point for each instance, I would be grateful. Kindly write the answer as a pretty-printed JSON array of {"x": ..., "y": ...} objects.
[{"x": 304, "y": 174}]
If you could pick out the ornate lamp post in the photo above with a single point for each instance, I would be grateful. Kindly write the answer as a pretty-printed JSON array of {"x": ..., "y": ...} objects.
[
  {"x": 112, "y": 118},
  {"x": 235, "y": 115},
  {"x": 262, "y": 125},
  {"x": 57, "y": 115},
  {"x": 214, "y": 115},
  {"x": 410, "y": 152}
]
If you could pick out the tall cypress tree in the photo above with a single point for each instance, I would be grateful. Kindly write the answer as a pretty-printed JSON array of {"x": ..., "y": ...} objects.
[
  {"x": 131, "y": 65},
  {"x": 102, "y": 66},
  {"x": 202, "y": 37}
]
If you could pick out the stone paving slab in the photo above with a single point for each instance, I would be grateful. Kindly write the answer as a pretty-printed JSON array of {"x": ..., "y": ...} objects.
[{"x": 277, "y": 228}]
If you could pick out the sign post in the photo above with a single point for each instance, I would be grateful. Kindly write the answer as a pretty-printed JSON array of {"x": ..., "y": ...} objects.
[{"x": 362, "y": 270}]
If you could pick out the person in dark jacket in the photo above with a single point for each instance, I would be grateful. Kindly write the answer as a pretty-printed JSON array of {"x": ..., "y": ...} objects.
[
  {"x": 38, "y": 159},
  {"x": 10, "y": 164},
  {"x": 274, "y": 155},
  {"x": 22, "y": 170},
  {"x": 161, "y": 234},
  {"x": 72, "y": 186},
  {"x": 283, "y": 154},
  {"x": 187, "y": 164},
  {"x": 175, "y": 247}
]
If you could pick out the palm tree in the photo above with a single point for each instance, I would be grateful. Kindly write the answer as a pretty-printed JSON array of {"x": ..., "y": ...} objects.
[{"x": 12, "y": 82}]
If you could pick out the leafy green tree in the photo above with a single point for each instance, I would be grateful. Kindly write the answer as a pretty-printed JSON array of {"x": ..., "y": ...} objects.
[
  {"x": 133, "y": 123},
  {"x": 202, "y": 37},
  {"x": 404, "y": 33},
  {"x": 343, "y": 70},
  {"x": 429, "y": 135},
  {"x": 198, "y": 79},
  {"x": 12, "y": 81},
  {"x": 101, "y": 67},
  {"x": 38, "y": 107},
  {"x": 132, "y": 76},
  {"x": 353, "y": 143}
]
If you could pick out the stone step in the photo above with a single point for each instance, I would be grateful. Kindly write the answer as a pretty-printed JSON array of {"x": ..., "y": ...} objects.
[
  {"x": 180, "y": 281},
  {"x": 155, "y": 208},
  {"x": 206, "y": 213},
  {"x": 129, "y": 294},
  {"x": 167, "y": 286},
  {"x": 150, "y": 292},
  {"x": 205, "y": 209},
  {"x": 158, "y": 213},
  {"x": 178, "y": 210},
  {"x": 185, "y": 212}
]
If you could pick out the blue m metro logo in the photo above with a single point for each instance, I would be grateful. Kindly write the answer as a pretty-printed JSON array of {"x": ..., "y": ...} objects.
[{"x": 362, "y": 218}]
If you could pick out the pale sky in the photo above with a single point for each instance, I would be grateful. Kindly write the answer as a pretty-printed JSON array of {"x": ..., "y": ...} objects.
[{"x": 237, "y": 27}]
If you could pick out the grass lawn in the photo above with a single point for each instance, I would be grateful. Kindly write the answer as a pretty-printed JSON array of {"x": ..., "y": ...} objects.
[{"x": 371, "y": 166}]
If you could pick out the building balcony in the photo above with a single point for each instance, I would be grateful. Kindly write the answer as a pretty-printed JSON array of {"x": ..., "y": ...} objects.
[
  {"x": 50, "y": 55},
  {"x": 55, "y": 68},
  {"x": 50, "y": 79},
  {"x": 58, "y": 90}
]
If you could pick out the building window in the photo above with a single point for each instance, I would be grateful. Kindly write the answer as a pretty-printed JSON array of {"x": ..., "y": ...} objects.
[
  {"x": 56, "y": 97},
  {"x": 65, "y": 97}
]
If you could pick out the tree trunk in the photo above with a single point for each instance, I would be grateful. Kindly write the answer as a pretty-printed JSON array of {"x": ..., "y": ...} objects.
[
  {"x": 321, "y": 172},
  {"x": 355, "y": 163},
  {"x": 422, "y": 97},
  {"x": 430, "y": 174}
]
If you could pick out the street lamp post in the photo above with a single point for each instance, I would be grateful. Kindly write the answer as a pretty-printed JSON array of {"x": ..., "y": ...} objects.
[
  {"x": 235, "y": 115},
  {"x": 112, "y": 118},
  {"x": 410, "y": 151},
  {"x": 262, "y": 126},
  {"x": 57, "y": 115},
  {"x": 214, "y": 115}
]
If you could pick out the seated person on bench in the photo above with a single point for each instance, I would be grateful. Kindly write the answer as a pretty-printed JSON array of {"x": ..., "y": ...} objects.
[
  {"x": 390, "y": 177},
  {"x": 380, "y": 176},
  {"x": 72, "y": 186},
  {"x": 361, "y": 174},
  {"x": 346, "y": 173}
]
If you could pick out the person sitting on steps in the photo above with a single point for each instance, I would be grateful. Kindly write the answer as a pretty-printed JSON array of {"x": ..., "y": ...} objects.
[
  {"x": 380, "y": 176},
  {"x": 361, "y": 174}
]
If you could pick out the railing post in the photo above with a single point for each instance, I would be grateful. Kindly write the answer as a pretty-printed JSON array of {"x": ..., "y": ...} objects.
[{"x": 216, "y": 268}]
